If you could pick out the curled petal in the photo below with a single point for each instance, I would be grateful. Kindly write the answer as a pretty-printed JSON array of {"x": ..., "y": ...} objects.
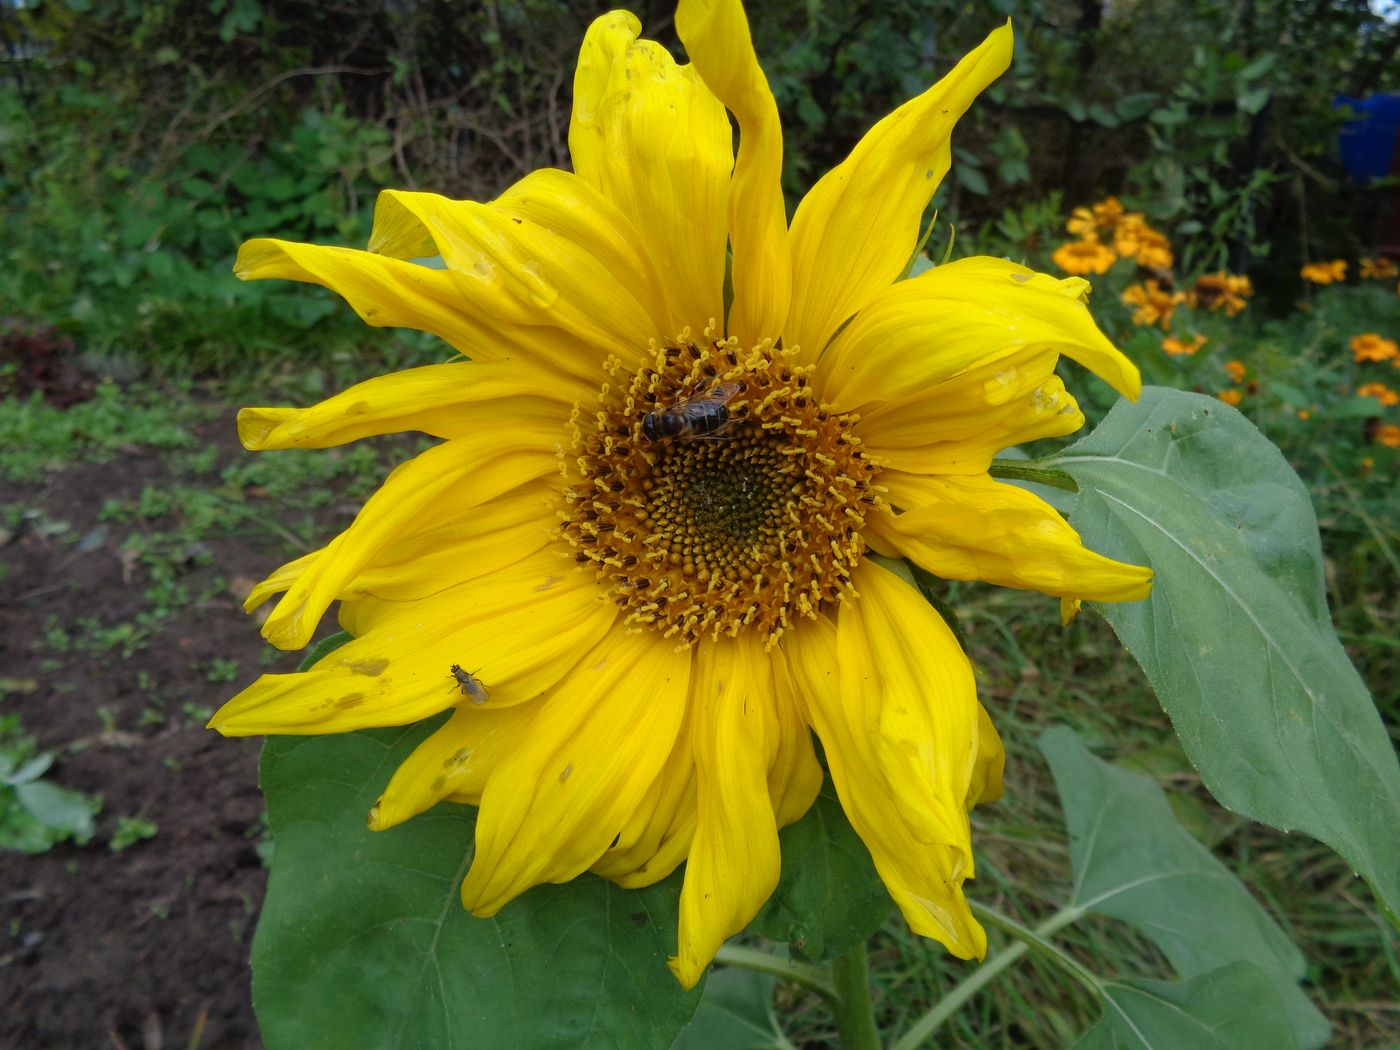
[
  {"x": 856, "y": 229},
  {"x": 517, "y": 630},
  {"x": 716, "y": 36},
  {"x": 650, "y": 136},
  {"x": 959, "y": 424},
  {"x": 901, "y": 788},
  {"x": 454, "y": 763},
  {"x": 436, "y": 399},
  {"x": 959, "y": 316},
  {"x": 549, "y": 252},
  {"x": 733, "y": 863},
  {"x": 977, "y": 528},
  {"x": 495, "y": 462},
  {"x": 597, "y": 743}
]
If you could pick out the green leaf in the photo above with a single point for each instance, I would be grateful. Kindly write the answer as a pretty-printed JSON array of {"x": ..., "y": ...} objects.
[
  {"x": 363, "y": 941},
  {"x": 1136, "y": 106},
  {"x": 1253, "y": 101},
  {"x": 48, "y": 814},
  {"x": 735, "y": 1013},
  {"x": 829, "y": 897},
  {"x": 1236, "y": 637},
  {"x": 1134, "y": 862},
  {"x": 1232, "y": 1008},
  {"x": 323, "y": 649}
]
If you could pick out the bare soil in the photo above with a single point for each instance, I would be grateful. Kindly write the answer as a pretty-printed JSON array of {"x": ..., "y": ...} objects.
[{"x": 148, "y": 946}]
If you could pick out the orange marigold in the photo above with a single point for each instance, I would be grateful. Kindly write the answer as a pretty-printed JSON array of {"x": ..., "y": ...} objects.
[
  {"x": 1236, "y": 370},
  {"x": 1220, "y": 291},
  {"x": 1325, "y": 272},
  {"x": 1382, "y": 393},
  {"x": 1233, "y": 396},
  {"x": 1369, "y": 346},
  {"x": 1379, "y": 267},
  {"x": 1152, "y": 303},
  {"x": 1388, "y": 434},
  {"x": 1084, "y": 256},
  {"x": 1179, "y": 347},
  {"x": 1101, "y": 216}
]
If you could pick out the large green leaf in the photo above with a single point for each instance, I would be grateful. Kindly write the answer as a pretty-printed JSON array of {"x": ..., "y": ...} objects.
[
  {"x": 1233, "y": 1008},
  {"x": 1236, "y": 637},
  {"x": 1133, "y": 861},
  {"x": 829, "y": 897},
  {"x": 735, "y": 1013},
  {"x": 363, "y": 941}
]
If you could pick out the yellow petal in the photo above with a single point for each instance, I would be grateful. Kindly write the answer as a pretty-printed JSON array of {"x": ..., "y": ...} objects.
[
  {"x": 651, "y": 137},
  {"x": 386, "y": 293},
  {"x": 794, "y": 774},
  {"x": 856, "y": 229},
  {"x": 550, "y": 252},
  {"x": 959, "y": 316},
  {"x": 987, "y": 772},
  {"x": 454, "y": 762},
  {"x": 844, "y": 703},
  {"x": 733, "y": 863},
  {"x": 958, "y": 425},
  {"x": 716, "y": 36},
  {"x": 923, "y": 738},
  {"x": 977, "y": 528},
  {"x": 441, "y": 400},
  {"x": 657, "y": 837},
  {"x": 494, "y": 461},
  {"x": 480, "y": 541},
  {"x": 517, "y": 630},
  {"x": 599, "y": 740}
]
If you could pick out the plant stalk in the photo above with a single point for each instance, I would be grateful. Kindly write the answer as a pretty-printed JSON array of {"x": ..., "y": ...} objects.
[{"x": 855, "y": 1016}]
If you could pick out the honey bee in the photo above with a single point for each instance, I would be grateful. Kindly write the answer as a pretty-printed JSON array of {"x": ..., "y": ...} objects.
[
  {"x": 703, "y": 414},
  {"x": 470, "y": 685}
]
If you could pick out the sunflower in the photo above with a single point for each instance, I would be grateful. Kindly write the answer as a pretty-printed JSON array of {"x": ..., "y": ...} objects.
[{"x": 650, "y": 533}]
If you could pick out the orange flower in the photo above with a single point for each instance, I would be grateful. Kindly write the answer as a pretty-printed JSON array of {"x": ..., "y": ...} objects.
[
  {"x": 1233, "y": 396},
  {"x": 1325, "y": 272},
  {"x": 1178, "y": 347},
  {"x": 1220, "y": 290},
  {"x": 1236, "y": 370},
  {"x": 1380, "y": 268},
  {"x": 1368, "y": 346},
  {"x": 1134, "y": 239},
  {"x": 1382, "y": 393},
  {"x": 1303, "y": 413},
  {"x": 1388, "y": 434},
  {"x": 1153, "y": 304},
  {"x": 1086, "y": 256},
  {"x": 1103, "y": 215}
]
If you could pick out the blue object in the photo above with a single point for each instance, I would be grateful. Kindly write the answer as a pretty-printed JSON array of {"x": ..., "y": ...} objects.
[{"x": 1368, "y": 140}]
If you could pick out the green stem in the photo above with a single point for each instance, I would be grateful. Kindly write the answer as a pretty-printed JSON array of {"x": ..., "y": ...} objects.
[
  {"x": 855, "y": 1017},
  {"x": 1020, "y": 470},
  {"x": 1028, "y": 940},
  {"x": 784, "y": 969}
]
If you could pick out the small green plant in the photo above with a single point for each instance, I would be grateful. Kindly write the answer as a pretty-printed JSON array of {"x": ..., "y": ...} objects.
[
  {"x": 221, "y": 670},
  {"x": 36, "y": 814},
  {"x": 131, "y": 830}
]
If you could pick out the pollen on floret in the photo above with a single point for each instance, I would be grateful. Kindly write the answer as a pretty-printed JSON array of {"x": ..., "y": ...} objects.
[{"x": 740, "y": 514}]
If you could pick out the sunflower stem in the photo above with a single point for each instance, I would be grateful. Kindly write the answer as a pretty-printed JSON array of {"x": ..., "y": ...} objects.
[
  {"x": 855, "y": 1016},
  {"x": 775, "y": 965},
  {"x": 1019, "y": 470},
  {"x": 1028, "y": 940}
]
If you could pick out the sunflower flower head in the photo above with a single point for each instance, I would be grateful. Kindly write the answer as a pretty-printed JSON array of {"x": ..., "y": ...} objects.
[{"x": 647, "y": 526}]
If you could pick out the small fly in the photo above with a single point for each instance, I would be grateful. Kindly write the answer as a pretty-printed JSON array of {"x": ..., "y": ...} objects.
[{"x": 470, "y": 685}]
